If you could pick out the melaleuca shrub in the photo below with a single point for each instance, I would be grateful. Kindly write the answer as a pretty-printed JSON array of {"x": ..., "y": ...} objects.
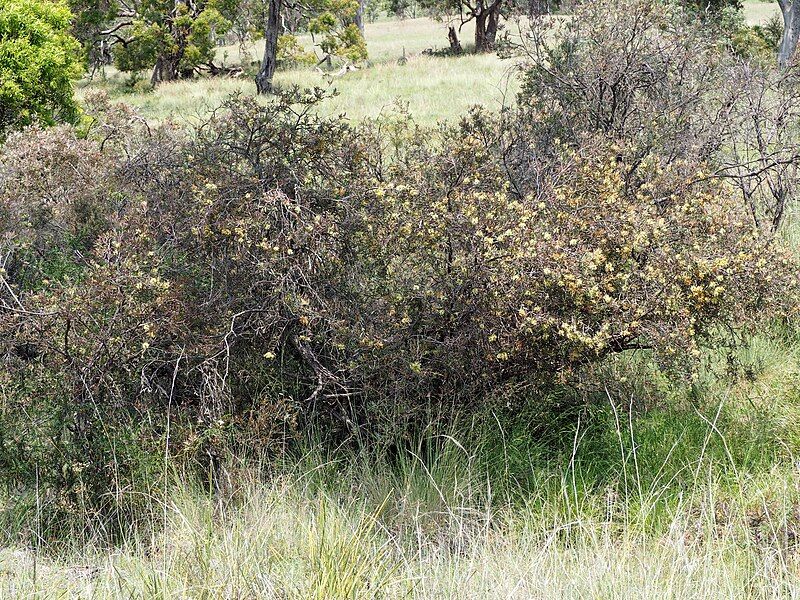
[
  {"x": 480, "y": 285},
  {"x": 56, "y": 198},
  {"x": 206, "y": 292},
  {"x": 660, "y": 84},
  {"x": 270, "y": 269}
]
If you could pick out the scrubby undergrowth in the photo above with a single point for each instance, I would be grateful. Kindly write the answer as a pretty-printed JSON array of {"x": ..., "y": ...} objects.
[
  {"x": 699, "y": 502},
  {"x": 458, "y": 355}
]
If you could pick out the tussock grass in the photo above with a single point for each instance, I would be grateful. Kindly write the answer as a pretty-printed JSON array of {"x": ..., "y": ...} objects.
[
  {"x": 279, "y": 540},
  {"x": 662, "y": 490},
  {"x": 699, "y": 501}
]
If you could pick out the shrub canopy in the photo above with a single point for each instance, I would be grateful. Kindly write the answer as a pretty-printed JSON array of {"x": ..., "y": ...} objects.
[{"x": 269, "y": 267}]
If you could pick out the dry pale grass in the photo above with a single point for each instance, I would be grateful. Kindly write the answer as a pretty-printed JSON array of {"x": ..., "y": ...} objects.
[
  {"x": 431, "y": 88},
  {"x": 435, "y": 529},
  {"x": 760, "y": 12}
]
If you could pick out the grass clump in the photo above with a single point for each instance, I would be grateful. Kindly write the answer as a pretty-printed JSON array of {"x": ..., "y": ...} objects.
[{"x": 432, "y": 522}]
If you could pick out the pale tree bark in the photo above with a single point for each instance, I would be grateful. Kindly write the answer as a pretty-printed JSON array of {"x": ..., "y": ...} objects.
[
  {"x": 267, "y": 70},
  {"x": 791, "y": 30},
  {"x": 359, "y": 19},
  {"x": 537, "y": 8}
]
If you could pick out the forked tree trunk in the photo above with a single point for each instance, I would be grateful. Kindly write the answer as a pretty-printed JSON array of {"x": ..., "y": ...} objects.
[
  {"x": 165, "y": 69},
  {"x": 267, "y": 70},
  {"x": 487, "y": 22},
  {"x": 791, "y": 30},
  {"x": 492, "y": 24}
]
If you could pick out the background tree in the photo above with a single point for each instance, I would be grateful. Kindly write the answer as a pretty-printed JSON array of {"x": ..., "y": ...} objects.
[
  {"x": 90, "y": 22},
  {"x": 338, "y": 32},
  {"x": 269, "y": 62},
  {"x": 402, "y": 8},
  {"x": 38, "y": 59},
  {"x": 485, "y": 13},
  {"x": 172, "y": 38},
  {"x": 332, "y": 25},
  {"x": 247, "y": 25},
  {"x": 790, "y": 9}
]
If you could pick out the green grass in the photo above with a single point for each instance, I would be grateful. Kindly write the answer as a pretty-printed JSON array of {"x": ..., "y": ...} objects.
[
  {"x": 696, "y": 498},
  {"x": 431, "y": 88},
  {"x": 435, "y": 526}
]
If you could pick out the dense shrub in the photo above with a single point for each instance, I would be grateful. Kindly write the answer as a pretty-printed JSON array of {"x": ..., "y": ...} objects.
[
  {"x": 38, "y": 59},
  {"x": 660, "y": 86},
  {"x": 269, "y": 268},
  {"x": 291, "y": 53}
]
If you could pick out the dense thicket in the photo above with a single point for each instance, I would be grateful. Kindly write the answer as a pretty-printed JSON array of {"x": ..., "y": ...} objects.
[{"x": 268, "y": 268}]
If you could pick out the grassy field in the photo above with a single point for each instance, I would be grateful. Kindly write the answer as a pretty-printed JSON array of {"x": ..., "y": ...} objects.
[
  {"x": 760, "y": 12},
  {"x": 292, "y": 540},
  {"x": 431, "y": 88},
  {"x": 698, "y": 501}
]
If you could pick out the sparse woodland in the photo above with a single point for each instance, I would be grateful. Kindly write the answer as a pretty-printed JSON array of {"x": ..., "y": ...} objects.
[{"x": 546, "y": 349}]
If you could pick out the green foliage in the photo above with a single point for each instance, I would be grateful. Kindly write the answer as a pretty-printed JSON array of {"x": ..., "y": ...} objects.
[
  {"x": 143, "y": 51},
  {"x": 269, "y": 271},
  {"x": 771, "y": 31},
  {"x": 292, "y": 53},
  {"x": 339, "y": 36},
  {"x": 173, "y": 40},
  {"x": 401, "y": 8},
  {"x": 38, "y": 60},
  {"x": 89, "y": 19}
]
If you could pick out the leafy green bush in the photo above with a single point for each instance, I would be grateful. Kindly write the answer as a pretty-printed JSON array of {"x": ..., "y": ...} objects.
[
  {"x": 291, "y": 53},
  {"x": 172, "y": 40},
  {"x": 339, "y": 37},
  {"x": 38, "y": 60}
]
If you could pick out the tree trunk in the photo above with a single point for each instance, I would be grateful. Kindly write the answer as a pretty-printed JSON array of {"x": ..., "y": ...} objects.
[
  {"x": 487, "y": 22},
  {"x": 492, "y": 24},
  {"x": 480, "y": 31},
  {"x": 155, "y": 78},
  {"x": 269, "y": 62},
  {"x": 455, "y": 45},
  {"x": 165, "y": 69},
  {"x": 791, "y": 30},
  {"x": 169, "y": 70},
  {"x": 536, "y": 8},
  {"x": 359, "y": 19}
]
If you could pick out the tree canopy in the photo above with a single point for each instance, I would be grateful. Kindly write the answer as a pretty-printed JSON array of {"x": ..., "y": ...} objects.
[
  {"x": 38, "y": 60},
  {"x": 172, "y": 38}
]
